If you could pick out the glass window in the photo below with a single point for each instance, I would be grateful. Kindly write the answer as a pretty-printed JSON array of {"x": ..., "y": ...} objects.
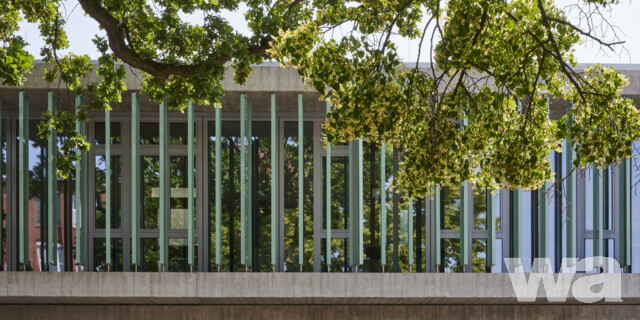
[
  {"x": 339, "y": 261},
  {"x": 291, "y": 171},
  {"x": 178, "y": 133},
  {"x": 179, "y": 200},
  {"x": 526, "y": 207},
  {"x": 100, "y": 189},
  {"x": 150, "y": 255},
  {"x": 230, "y": 185},
  {"x": 635, "y": 209},
  {"x": 450, "y": 254},
  {"x": 450, "y": 202},
  {"x": 150, "y": 177},
  {"x": 479, "y": 255},
  {"x": 100, "y": 133},
  {"x": 479, "y": 208},
  {"x": 179, "y": 255},
  {"x": 149, "y": 133},
  {"x": 100, "y": 251},
  {"x": 339, "y": 192}
]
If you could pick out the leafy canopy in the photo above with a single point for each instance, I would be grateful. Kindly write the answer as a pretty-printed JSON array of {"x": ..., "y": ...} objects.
[{"x": 477, "y": 111}]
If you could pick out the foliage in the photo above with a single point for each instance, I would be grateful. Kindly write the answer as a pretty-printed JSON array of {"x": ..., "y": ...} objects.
[{"x": 495, "y": 66}]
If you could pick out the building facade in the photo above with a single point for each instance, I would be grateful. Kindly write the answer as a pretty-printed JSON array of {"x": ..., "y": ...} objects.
[{"x": 250, "y": 187}]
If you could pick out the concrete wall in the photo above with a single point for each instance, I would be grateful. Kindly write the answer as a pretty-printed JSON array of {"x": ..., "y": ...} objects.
[{"x": 281, "y": 295}]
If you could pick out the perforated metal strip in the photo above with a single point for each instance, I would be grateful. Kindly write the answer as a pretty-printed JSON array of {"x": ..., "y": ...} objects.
[
  {"x": 23, "y": 168},
  {"x": 274, "y": 181},
  {"x": 136, "y": 177},
  {"x": 164, "y": 188},
  {"x": 328, "y": 199},
  {"x": 190, "y": 184},
  {"x": 52, "y": 194},
  {"x": 245, "y": 180},
  {"x": 383, "y": 205},
  {"x": 80, "y": 193},
  {"x": 107, "y": 180},
  {"x": 218, "y": 187}
]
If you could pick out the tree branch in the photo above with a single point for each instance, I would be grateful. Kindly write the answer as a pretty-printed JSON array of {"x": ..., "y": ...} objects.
[{"x": 116, "y": 34}]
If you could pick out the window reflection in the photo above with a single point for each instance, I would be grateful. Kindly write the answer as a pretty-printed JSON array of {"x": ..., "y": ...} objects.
[
  {"x": 150, "y": 177},
  {"x": 230, "y": 184},
  {"x": 479, "y": 255},
  {"x": 450, "y": 203},
  {"x": 99, "y": 132},
  {"x": 100, "y": 189},
  {"x": 338, "y": 257},
  {"x": 100, "y": 251},
  {"x": 339, "y": 192},
  {"x": 290, "y": 182},
  {"x": 450, "y": 255}
]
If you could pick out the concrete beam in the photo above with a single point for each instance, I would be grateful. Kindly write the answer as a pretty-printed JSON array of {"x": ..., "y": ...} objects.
[{"x": 270, "y": 288}]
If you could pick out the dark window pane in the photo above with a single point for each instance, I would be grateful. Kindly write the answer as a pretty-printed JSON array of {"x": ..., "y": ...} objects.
[
  {"x": 100, "y": 251},
  {"x": 149, "y": 133},
  {"x": 450, "y": 214},
  {"x": 100, "y": 196},
  {"x": 178, "y": 132},
  {"x": 150, "y": 178},
  {"x": 291, "y": 172},
  {"x": 451, "y": 256},
  {"x": 338, "y": 255},
  {"x": 100, "y": 133}
]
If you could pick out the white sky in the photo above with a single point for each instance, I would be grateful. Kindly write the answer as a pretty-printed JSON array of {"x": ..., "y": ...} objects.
[{"x": 80, "y": 30}]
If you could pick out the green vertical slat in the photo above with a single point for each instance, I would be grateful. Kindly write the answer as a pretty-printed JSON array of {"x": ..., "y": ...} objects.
[
  {"x": 624, "y": 213},
  {"x": 410, "y": 232},
  {"x": 571, "y": 187},
  {"x": 135, "y": 175},
  {"x": 396, "y": 204},
  {"x": 218, "y": 187},
  {"x": 464, "y": 214},
  {"x": 517, "y": 223},
  {"x": 80, "y": 192},
  {"x": 491, "y": 230},
  {"x": 543, "y": 204},
  {"x": 383, "y": 205},
  {"x": 300, "y": 181},
  {"x": 52, "y": 226},
  {"x": 464, "y": 223},
  {"x": 23, "y": 168},
  {"x": 360, "y": 203},
  {"x": 622, "y": 193},
  {"x": 355, "y": 202},
  {"x": 164, "y": 187},
  {"x": 107, "y": 158},
  {"x": 437, "y": 210},
  {"x": 1, "y": 181},
  {"x": 245, "y": 181},
  {"x": 190, "y": 182},
  {"x": 328, "y": 200},
  {"x": 274, "y": 181},
  {"x": 598, "y": 211}
]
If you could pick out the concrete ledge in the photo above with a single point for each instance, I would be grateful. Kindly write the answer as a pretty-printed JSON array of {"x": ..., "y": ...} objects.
[{"x": 271, "y": 288}]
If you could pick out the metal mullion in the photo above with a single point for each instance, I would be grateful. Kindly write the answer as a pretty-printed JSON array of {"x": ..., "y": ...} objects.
[
  {"x": 12, "y": 192},
  {"x": 274, "y": 183},
  {"x": 52, "y": 241},
  {"x": 190, "y": 183},
  {"x": 23, "y": 193},
  {"x": 165, "y": 192},
  {"x": 202, "y": 211}
]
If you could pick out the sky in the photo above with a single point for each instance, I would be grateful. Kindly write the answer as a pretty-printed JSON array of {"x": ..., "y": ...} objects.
[{"x": 80, "y": 30}]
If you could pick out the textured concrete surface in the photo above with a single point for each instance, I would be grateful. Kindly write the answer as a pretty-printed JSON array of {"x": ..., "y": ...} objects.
[
  {"x": 270, "y": 288},
  {"x": 364, "y": 312}
]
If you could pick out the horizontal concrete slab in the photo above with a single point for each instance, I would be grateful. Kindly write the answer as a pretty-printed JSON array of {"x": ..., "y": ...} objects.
[{"x": 271, "y": 288}]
